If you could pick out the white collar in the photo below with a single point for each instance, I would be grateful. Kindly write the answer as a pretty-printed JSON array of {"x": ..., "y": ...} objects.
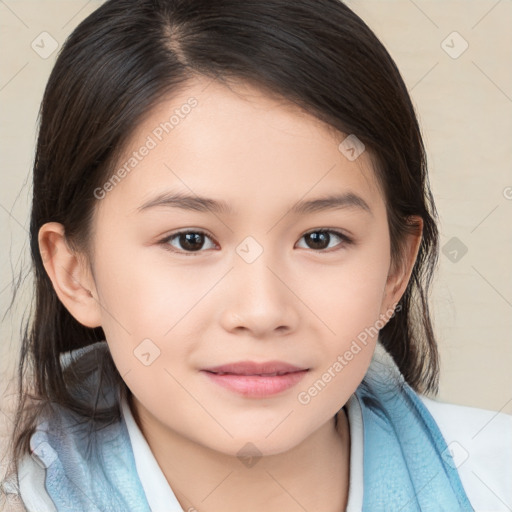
[
  {"x": 158, "y": 492},
  {"x": 161, "y": 498}
]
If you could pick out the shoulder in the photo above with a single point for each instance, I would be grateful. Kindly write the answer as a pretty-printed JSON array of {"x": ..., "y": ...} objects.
[{"x": 480, "y": 442}]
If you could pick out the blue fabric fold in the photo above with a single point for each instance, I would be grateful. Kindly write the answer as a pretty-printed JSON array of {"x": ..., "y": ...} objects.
[
  {"x": 88, "y": 469},
  {"x": 407, "y": 466}
]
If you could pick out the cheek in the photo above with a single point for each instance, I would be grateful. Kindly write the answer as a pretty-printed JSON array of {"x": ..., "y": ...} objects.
[
  {"x": 149, "y": 314},
  {"x": 350, "y": 304},
  {"x": 330, "y": 386},
  {"x": 351, "y": 295},
  {"x": 350, "y": 307}
]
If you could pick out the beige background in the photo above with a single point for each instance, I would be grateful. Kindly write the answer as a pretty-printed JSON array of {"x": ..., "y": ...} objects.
[{"x": 465, "y": 109}]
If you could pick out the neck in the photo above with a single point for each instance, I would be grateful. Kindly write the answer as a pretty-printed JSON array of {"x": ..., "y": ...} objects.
[{"x": 312, "y": 476}]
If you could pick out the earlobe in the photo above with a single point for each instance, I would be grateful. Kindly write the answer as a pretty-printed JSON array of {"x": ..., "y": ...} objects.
[{"x": 70, "y": 276}]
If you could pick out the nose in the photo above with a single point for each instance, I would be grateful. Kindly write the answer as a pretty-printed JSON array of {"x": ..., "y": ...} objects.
[{"x": 260, "y": 300}]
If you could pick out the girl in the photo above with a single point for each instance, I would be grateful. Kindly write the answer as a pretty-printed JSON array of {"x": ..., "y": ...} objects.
[{"x": 233, "y": 238}]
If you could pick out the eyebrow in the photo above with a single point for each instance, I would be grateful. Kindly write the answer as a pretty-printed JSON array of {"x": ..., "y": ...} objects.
[{"x": 347, "y": 200}]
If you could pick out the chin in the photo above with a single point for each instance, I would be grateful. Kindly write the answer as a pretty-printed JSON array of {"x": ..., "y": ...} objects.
[{"x": 250, "y": 447}]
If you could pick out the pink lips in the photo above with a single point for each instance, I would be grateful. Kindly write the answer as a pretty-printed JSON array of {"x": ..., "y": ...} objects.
[{"x": 256, "y": 380}]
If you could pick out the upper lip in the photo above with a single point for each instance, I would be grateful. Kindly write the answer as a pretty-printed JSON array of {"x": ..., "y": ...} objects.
[{"x": 270, "y": 368}]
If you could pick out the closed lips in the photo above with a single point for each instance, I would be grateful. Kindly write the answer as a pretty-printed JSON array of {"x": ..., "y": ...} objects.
[
  {"x": 254, "y": 374},
  {"x": 256, "y": 380},
  {"x": 250, "y": 368}
]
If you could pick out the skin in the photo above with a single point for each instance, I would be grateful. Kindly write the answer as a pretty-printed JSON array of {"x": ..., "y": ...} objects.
[{"x": 295, "y": 302}]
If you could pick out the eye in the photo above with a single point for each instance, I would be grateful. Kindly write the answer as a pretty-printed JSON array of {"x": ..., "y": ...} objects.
[
  {"x": 320, "y": 239},
  {"x": 190, "y": 241}
]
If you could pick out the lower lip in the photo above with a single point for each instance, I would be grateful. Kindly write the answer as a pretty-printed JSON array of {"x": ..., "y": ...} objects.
[{"x": 257, "y": 386}]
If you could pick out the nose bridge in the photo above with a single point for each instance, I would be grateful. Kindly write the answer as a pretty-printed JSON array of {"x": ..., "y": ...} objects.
[
  {"x": 253, "y": 267},
  {"x": 259, "y": 299}
]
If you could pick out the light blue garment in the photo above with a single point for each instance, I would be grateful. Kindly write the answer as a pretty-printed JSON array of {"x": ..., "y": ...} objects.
[
  {"x": 407, "y": 466},
  {"x": 87, "y": 470}
]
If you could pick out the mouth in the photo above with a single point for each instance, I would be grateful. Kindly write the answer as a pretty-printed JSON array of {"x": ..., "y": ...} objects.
[
  {"x": 256, "y": 380},
  {"x": 274, "y": 374}
]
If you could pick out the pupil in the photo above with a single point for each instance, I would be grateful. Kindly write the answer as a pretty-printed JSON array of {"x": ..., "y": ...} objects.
[
  {"x": 319, "y": 238},
  {"x": 189, "y": 239}
]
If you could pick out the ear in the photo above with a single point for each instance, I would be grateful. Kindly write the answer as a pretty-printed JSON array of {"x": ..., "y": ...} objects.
[
  {"x": 70, "y": 275},
  {"x": 400, "y": 271}
]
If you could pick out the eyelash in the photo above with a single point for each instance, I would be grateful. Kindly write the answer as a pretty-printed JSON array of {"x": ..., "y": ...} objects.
[{"x": 345, "y": 240}]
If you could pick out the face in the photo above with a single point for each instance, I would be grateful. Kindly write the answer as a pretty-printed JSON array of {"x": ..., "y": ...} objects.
[{"x": 259, "y": 277}]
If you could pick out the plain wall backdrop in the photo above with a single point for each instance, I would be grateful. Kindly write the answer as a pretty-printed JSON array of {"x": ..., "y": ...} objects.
[{"x": 455, "y": 57}]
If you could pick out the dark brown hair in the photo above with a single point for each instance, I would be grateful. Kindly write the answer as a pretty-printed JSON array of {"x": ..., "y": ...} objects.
[{"x": 130, "y": 54}]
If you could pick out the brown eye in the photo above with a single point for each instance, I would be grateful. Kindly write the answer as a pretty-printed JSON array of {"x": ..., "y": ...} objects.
[
  {"x": 187, "y": 241},
  {"x": 320, "y": 240}
]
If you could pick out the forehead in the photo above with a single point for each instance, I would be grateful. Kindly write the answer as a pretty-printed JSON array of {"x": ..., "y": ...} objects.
[{"x": 239, "y": 143}]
